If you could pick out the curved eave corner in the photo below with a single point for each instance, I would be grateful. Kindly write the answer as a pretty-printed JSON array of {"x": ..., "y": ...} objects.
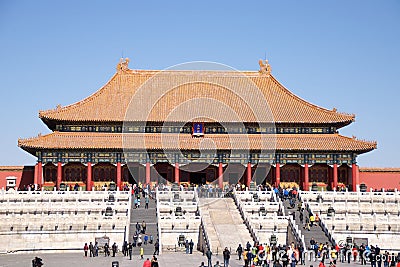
[
  {"x": 51, "y": 115},
  {"x": 22, "y": 144}
]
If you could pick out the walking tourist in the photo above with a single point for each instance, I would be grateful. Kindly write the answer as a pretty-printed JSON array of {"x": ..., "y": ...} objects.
[
  {"x": 91, "y": 250},
  {"x": 147, "y": 263},
  {"x": 130, "y": 250},
  {"x": 146, "y": 202},
  {"x": 239, "y": 251},
  {"x": 154, "y": 262},
  {"x": 144, "y": 227},
  {"x": 114, "y": 249},
  {"x": 208, "y": 255},
  {"x": 156, "y": 247},
  {"x": 96, "y": 249},
  {"x": 106, "y": 250},
  {"x": 141, "y": 252},
  {"x": 85, "y": 249},
  {"x": 226, "y": 255},
  {"x": 191, "y": 245}
]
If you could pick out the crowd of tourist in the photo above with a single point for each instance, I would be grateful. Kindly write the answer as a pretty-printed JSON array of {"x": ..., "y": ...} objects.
[
  {"x": 293, "y": 255},
  {"x": 255, "y": 254}
]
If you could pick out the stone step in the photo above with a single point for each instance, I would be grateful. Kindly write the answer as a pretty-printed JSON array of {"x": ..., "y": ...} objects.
[
  {"x": 150, "y": 217},
  {"x": 315, "y": 232}
]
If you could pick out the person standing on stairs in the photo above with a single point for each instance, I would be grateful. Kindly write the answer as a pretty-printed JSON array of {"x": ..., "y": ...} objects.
[
  {"x": 156, "y": 247},
  {"x": 141, "y": 252},
  {"x": 301, "y": 217},
  {"x": 144, "y": 227},
  {"x": 146, "y": 202},
  {"x": 312, "y": 220},
  {"x": 307, "y": 224},
  {"x": 130, "y": 250}
]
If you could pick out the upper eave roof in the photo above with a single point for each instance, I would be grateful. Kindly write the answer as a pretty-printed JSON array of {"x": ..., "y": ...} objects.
[
  {"x": 110, "y": 103},
  {"x": 157, "y": 141}
]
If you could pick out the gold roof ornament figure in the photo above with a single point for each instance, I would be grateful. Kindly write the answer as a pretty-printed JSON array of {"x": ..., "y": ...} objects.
[
  {"x": 122, "y": 65},
  {"x": 265, "y": 67}
]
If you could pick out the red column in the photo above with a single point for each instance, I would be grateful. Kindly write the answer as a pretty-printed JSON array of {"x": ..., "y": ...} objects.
[
  {"x": 177, "y": 172},
  {"x": 306, "y": 179},
  {"x": 119, "y": 176},
  {"x": 89, "y": 177},
  {"x": 40, "y": 174},
  {"x": 35, "y": 177},
  {"x": 277, "y": 174},
  {"x": 59, "y": 174},
  {"x": 335, "y": 176},
  {"x": 148, "y": 173},
  {"x": 220, "y": 176},
  {"x": 248, "y": 176},
  {"x": 354, "y": 174}
]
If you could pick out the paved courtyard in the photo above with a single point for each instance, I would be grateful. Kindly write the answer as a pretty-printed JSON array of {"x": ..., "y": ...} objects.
[{"x": 177, "y": 259}]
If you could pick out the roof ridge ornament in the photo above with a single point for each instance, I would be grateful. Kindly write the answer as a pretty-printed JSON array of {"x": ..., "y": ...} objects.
[
  {"x": 265, "y": 67},
  {"x": 122, "y": 65}
]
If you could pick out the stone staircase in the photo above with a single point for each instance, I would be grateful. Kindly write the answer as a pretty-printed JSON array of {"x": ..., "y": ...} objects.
[
  {"x": 150, "y": 217},
  {"x": 316, "y": 231},
  {"x": 223, "y": 224}
]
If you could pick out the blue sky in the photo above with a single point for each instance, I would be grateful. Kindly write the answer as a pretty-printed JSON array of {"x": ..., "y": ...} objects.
[{"x": 342, "y": 54}]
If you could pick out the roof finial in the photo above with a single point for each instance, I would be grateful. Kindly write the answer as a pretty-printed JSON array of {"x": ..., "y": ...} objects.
[
  {"x": 265, "y": 68},
  {"x": 122, "y": 64}
]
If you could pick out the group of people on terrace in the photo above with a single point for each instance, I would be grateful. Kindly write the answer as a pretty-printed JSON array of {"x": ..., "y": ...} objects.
[{"x": 262, "y": 255}]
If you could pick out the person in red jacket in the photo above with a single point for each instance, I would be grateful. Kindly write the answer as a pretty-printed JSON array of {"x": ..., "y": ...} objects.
[
  {"x": 147, "y": 263},
  {"x": 85, "y": 249}
]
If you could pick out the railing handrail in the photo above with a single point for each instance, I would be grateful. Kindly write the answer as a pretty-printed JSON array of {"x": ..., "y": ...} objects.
[
  {"x": 202, "y": 223},
  {"x": 158, "y": 227}
]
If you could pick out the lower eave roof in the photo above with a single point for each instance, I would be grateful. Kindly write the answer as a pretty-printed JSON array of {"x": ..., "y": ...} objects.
[{"x": 156, "y": 141}]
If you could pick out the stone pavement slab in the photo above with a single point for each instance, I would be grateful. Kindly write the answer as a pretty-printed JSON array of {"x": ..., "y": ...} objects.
[{"x": 177, "y": 259}]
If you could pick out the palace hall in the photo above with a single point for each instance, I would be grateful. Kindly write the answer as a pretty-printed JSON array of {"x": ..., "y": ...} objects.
[{"x": 111, "y": 137}]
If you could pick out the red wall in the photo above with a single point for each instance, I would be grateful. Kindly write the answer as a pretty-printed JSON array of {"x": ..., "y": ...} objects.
[
  {"x": 24, "y": 175},
  {"x": 380, "y": 179}
]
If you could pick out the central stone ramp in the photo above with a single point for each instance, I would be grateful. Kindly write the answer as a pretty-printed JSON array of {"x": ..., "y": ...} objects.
[
  {"x": 223, "y": 224},
  {"x": 150, "y": 217}
]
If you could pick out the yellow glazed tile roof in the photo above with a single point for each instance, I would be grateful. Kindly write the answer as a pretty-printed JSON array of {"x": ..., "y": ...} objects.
[
  {"x": 155, "y": 141},
  {"x": 231, "y": 89}
]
